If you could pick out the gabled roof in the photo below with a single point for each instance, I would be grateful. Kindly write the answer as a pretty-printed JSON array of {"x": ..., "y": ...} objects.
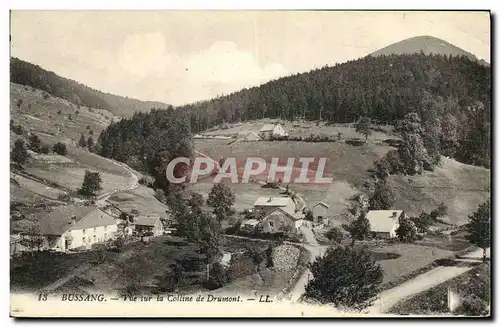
[
  {"x": 273, "y": 201},
  {"x": 251, "y": 222},
  {"x": 322, "y": 204},
  {"x": 267, "y": 128},
  {"x": 146, "y": 221},
  {"x": 278, "y": 211},
  {"x": 383, "y": 220},
  {"x": 59, "y": 220}
]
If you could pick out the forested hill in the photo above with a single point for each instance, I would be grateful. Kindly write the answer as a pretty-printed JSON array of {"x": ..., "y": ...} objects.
[
  {"x": 22, "y": 72},
  {"x": 455, "y": 91},
  {"x": 427, "y": 45},
  {"x": 383, "y": 87}
]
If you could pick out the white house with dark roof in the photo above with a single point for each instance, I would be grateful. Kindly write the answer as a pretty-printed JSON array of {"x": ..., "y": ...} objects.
[
  {"x": 269, "y": 130},
  {"x": 383, "y": 223},
  {"x": 320, "y": 212},
  {"x": 266, "y": 204},
  {"x": 279, "y": 220},
  {"x": 75, "y": 226},
  {"x": 148, "y": 225}
]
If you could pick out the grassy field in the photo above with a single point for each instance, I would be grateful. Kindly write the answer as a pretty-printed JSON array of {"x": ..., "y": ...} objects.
[
  {"x": 52, "y": 116},
  {"x": 461, "y": 187},
  {"x": 36, "y": 187},
  {"x": 403, "y": 258},
  {"x": 303, "y": 128},
  {"x": 141, "y": 199},
  {"x": 57, "y": 120},
  {"x": 346, "y": 164}
]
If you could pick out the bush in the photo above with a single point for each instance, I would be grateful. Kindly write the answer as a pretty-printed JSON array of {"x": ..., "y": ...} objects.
[
  {"x": 16, "y": 128},
  {"x": 60, "y": 149},
  {"x": 59, "y": 112},
  {"x": 64, "y": 197},
  {"x": 45, "y": 149},
  {"x": 46, "y": 95}
]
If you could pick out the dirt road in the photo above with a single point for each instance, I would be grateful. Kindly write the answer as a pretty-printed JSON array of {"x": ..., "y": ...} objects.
[{"x": 387, "y": 299}]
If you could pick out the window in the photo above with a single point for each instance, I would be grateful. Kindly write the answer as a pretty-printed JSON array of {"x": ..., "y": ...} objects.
[
  {"x": 95, "y": 229},
  {"x": 83, "y": 240},
  {"x": 271, "y": 224},
  {"x": 83, "y": 231}
]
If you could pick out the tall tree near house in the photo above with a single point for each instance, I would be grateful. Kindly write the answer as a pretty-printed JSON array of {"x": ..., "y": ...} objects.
[
  {"x": 479, "y": 227},
  {"x": 35, "y": 143},
  {"x": 359, "y": 228},
  {"x": 91, "y": 184},
  {"x": 19, "y": 155},
  {"x": 222, "y": 198},
  {"x": 210, "y": 237},
  {"x": 406, "y": 232},
  {"x": 412, "y": 150},
  {"x": 345, "y": 277},
  {"x": 363, "y": 126},
  {"x": 34, "y": 241},
  {"x": 383, "y": 196},
  {"x": 82, "y": 142}
]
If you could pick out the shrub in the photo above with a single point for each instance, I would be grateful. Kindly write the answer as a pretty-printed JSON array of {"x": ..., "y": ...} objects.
[
  {"x": 46, "y": 95},
  {"x": 45, "y": 149},
  {"x": 16, "y": 128},
  {"x": 60, "y": 148},
  {"x": 59, "y": 112}
]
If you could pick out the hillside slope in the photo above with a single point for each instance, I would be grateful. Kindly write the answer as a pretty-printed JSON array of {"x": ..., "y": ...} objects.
[
  {"x": 22, "y": 72},
  {"x": 426, "y": 44}
]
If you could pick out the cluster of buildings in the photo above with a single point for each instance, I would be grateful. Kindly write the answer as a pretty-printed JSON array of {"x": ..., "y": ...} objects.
[
  {"x": 279, "y": 214},
  {"x": 79, "y": 227}
]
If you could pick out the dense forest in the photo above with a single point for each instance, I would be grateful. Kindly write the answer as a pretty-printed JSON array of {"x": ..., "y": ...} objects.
[
  {"x": 25, "y": 73},
  {"x": 149, "y": 141}
]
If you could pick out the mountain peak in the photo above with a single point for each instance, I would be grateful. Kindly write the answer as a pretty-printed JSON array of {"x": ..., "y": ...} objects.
[{"x": 427, "y": 44}]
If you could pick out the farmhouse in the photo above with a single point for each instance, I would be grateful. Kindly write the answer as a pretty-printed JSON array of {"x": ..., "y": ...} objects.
[
  {"x": 383, "y": 223},
  {"x": 75, "y": 226},
  {"x": 251, "y": 137},
  {"x": 269, "y": 130},
  {"x": 148, "y": 225},
  {"x": 280, "y": 220},
  {"x": 265, "y": 205},
  {"x": 320, "y": 212}
]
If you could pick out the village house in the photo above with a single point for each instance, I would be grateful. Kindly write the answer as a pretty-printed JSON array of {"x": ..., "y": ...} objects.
[
  {"x": 251, "y": 137},
  {"x": 145, "y": 225},
  {"x": 280, "y": 220},
  {"x": 269, "y": 130},
  {"x": 77, "y": 227},
  {"x": 266, "y": 204},
  {"x": 383, "y": 223},
  {"x": 320, "y": 212}
]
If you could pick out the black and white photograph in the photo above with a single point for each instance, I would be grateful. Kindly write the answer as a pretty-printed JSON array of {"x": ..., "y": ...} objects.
[{"x": 250, "y": 163}]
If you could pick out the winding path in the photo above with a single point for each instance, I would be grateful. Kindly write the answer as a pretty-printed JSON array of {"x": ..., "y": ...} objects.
[{"x": 134, "y": 183}]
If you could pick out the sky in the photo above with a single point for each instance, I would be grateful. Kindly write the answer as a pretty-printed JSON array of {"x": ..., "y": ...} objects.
[{"x": 181, "y": 57}]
